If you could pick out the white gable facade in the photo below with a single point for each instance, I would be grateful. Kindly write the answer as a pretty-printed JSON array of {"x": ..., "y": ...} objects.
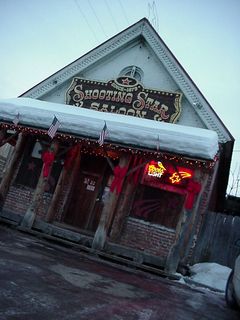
[{"x": 138, "y": 46}]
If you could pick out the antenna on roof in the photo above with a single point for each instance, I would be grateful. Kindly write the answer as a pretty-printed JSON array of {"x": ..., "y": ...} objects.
[{"x": 153, "y": 15}]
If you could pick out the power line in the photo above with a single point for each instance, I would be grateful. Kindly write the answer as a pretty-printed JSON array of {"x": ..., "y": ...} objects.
[
  {"x": 110, "y": 11},
  {"x": 86, "y": 20},
  {"x": 124, "y": 12},
  {"x": 99, "y": 22}
]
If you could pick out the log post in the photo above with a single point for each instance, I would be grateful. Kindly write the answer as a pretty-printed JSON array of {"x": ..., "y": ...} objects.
[
  {"x": 182, "y": 232},
  {"x": 107, "y": 213},
  {"x": 71, "y": 182},
  {"x": 56, "y": 196},
  {"x": 126, "y": 198},
  {"x": 2, "y": 136},
  {"x": 208, "y": 183},
  {"x": 11, "y": 168},
  {"x": 30, "y": 215},
  {"x": 122, "y": 210},
  {"x": 59, "y": 188}
]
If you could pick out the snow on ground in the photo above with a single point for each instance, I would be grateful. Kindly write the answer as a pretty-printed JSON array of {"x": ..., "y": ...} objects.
[{"x": 212, "y": 275}]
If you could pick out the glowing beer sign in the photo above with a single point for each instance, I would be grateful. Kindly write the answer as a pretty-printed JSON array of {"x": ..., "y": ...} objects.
[
  {"x": 156, "y": 171},
  {"x": 167, "y": 173}
]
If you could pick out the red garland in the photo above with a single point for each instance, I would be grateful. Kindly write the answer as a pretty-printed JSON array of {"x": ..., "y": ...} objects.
[
  {"x": 119, "y": 174},
  {"x": 70, "y": 156},
  {"x": 193, "y": 189},
  {"x": 47, "y": 158}
]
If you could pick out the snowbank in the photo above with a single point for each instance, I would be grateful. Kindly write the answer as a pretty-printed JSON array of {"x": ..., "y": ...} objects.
[
  {"x": 125, "y": 130},
  {"x": 210, "y": 274}
]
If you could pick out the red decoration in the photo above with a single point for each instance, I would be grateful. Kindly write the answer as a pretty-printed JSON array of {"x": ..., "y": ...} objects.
[
  {"x": 47, "y": 158},
  {"x": 193, "y": 189},
  {"x": 134, "y": 176},
  {"x": 70, "y": 156},
  {"x": 12, "y": 141},
  {"x": 119, "y": 174}
]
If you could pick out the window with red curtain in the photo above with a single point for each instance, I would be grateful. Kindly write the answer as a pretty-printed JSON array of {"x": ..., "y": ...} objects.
[{"x": 161, "y": 194}]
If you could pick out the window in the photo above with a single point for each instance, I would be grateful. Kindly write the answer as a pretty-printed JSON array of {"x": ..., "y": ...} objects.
[
  {"x": 133, "y": 72},
  {"x": 31, "y": 166},
  {"x": 157, "y": 206}
]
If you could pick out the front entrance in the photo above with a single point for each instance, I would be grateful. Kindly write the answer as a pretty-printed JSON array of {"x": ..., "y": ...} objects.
[{"x": 85, "y": 203}]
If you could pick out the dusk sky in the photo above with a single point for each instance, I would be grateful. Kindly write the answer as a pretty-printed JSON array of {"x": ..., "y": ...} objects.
[{"x": 40, "y": 37}]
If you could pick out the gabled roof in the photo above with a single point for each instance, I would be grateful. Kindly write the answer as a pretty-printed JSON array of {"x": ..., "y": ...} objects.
[{"x": 141, "y": 29}]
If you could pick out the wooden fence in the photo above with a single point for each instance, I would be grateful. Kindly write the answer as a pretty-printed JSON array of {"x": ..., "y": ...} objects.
[{"x": 217, "y": 241}]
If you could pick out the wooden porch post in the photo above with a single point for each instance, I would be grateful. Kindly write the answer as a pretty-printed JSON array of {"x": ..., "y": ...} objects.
[
  {"x": 30, "y": 215},
  {"x": 11, "y": 168},
  {"x": 107, "y": 213},
  {"x": 72, "y": 179},
  {"x": 122, "y": 210},
  {"x": 183, "y": 231},
  {"x": 2, "y": 136},
  {"x": 59, "y": 187},
  {"x": 206, "y": 195},
  {"x": 56, "y": 196}
]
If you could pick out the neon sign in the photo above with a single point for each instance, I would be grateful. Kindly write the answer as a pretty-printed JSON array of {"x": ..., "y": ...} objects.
[
  {"x": 178, "y": 176},
  {"x": 156, "y": 171},
  {"x": 168, "y": 173}
]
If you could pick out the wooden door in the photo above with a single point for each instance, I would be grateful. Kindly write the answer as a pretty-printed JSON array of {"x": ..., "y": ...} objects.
[
  {"x": 83, "y": 201},
  {"x": 84, "y": 207}
]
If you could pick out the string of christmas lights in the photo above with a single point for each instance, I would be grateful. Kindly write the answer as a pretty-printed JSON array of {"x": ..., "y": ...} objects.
[{"x": 92, "y": 147}]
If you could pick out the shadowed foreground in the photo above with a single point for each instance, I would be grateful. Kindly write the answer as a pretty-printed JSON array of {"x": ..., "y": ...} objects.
[{"x": 42, "y": 280}]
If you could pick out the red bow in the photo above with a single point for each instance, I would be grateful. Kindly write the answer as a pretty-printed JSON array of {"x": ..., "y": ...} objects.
[
  {"x": 193, "y": 189},
  {"x": 48, "y": 158},
  {"x": 119, "y": 174}
]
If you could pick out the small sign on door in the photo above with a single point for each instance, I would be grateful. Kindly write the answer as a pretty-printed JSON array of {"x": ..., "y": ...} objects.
[{"x": 90, "y": 187}]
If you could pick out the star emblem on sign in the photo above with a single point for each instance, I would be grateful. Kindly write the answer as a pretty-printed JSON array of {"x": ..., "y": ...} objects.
[
  {"x": 175, "y": 177},
  {"x": 126, "y": 81}
]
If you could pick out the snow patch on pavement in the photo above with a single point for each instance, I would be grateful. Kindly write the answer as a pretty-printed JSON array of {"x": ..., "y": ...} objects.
[{"x": 209, "y": 274}]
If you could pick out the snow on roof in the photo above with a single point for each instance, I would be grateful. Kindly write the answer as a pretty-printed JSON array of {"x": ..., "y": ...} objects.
[{"x": 122, "y": 129}]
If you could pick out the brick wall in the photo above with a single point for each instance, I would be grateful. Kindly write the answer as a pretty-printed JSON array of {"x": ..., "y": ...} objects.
[
  {"x": 19, "y": 197},
  {"x": 156, "y": 239},
  {"x": 151, "y": 238}
]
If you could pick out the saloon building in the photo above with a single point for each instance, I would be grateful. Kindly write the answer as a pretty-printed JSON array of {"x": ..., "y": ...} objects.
[{"x": 118, "y": 151}]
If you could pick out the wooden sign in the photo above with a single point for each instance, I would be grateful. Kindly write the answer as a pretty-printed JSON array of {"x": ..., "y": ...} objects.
[{"x": 126, "y": 96}]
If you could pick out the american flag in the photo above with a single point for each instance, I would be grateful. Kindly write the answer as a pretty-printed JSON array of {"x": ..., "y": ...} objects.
[
  {"x": 16, "y": 119},
  {"x": 103, "y": 134},
  {"x": 53, "y": 127},
  {"x": 158, "y": 143}
]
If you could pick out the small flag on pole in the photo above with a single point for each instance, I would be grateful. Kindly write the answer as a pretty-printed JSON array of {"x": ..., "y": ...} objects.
[
  {"x": 16, "y": 119},
  {"x": 103, "y": 134},
  {"x": 53, "y": 127},
  {"x": 158, "y": 143}
]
